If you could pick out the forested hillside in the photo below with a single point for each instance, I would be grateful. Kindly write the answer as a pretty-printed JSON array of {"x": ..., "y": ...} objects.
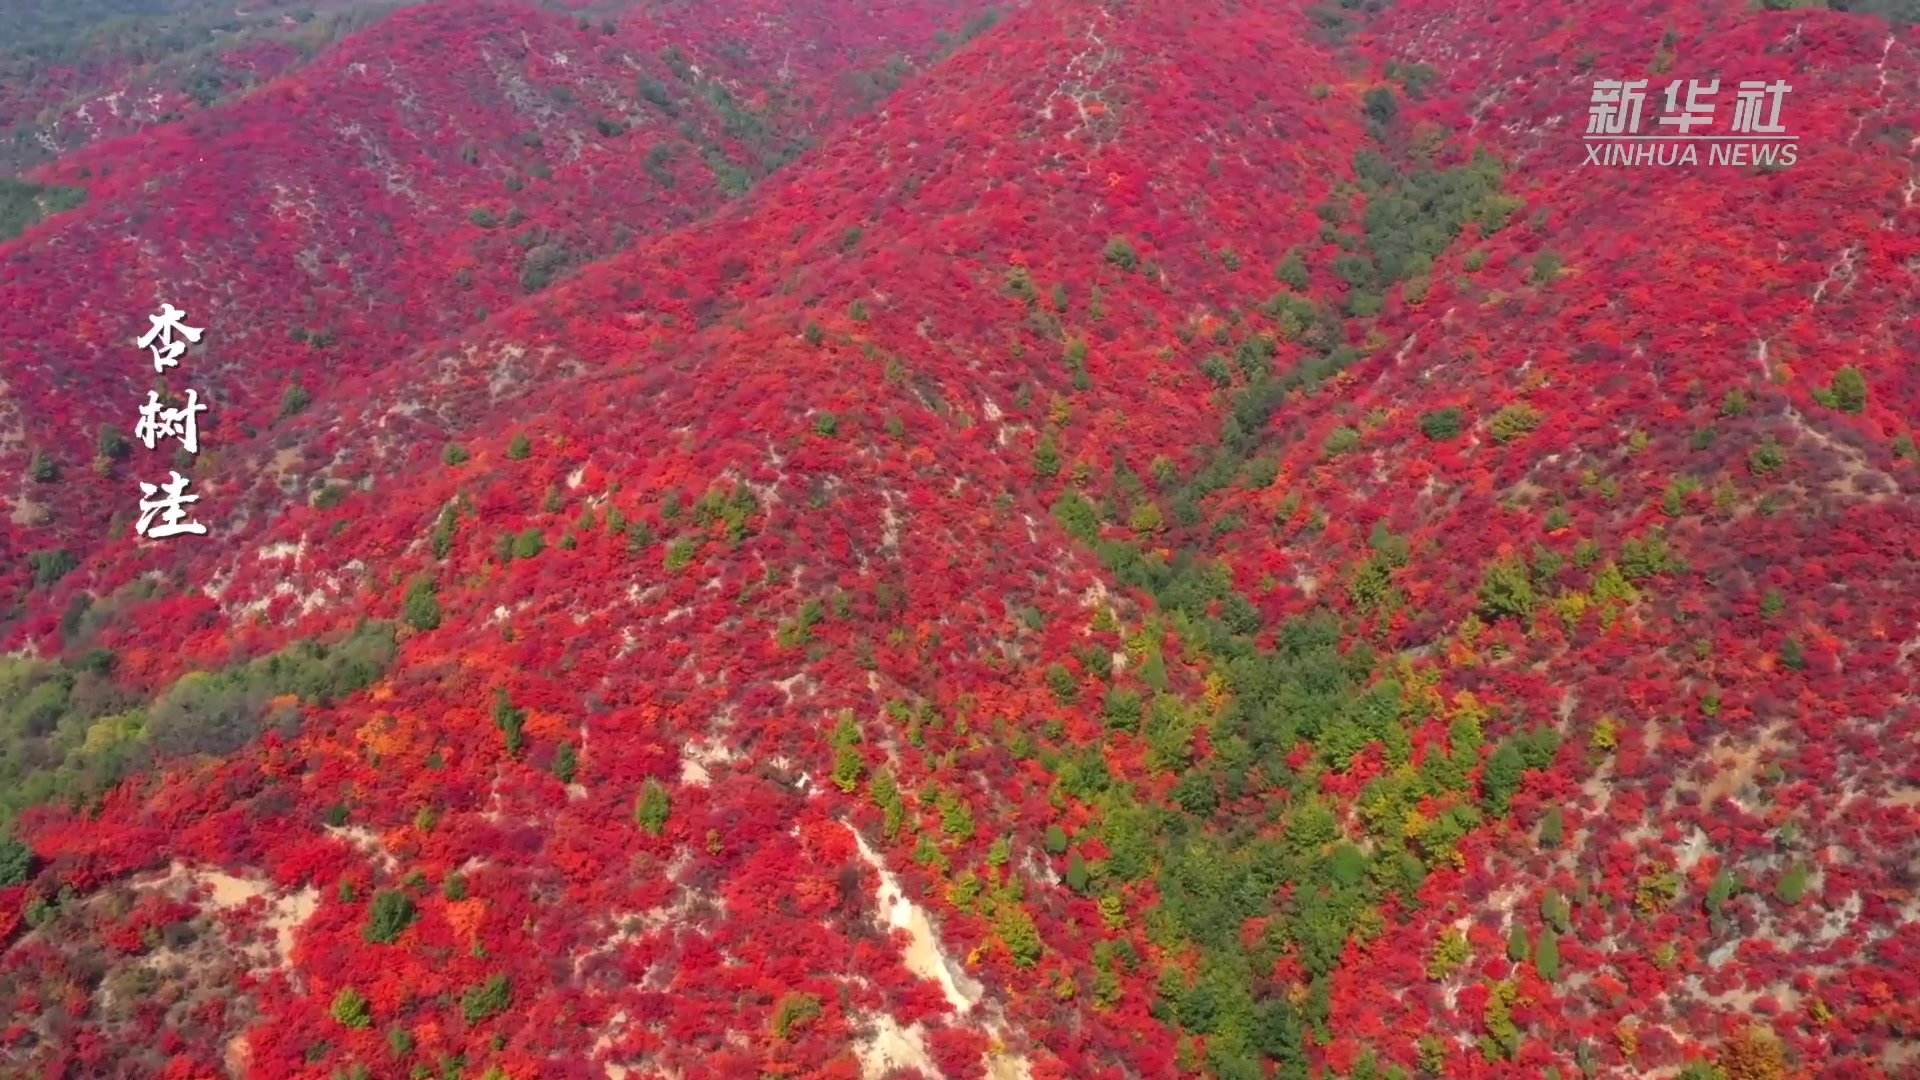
[{"x": 1088, "y": 540}]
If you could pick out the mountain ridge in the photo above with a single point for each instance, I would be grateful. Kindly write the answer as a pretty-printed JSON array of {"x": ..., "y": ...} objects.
[{"x": 1350, "y": 673}]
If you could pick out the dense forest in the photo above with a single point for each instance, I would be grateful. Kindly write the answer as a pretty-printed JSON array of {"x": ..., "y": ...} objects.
[{"x": 1067, "y": 540}]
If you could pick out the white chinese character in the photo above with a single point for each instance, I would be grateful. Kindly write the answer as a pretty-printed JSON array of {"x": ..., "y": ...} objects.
[
  {"x": 159, "y": 422},
  {"x": 169, "y": 509},
  {"x": 1746, "y": 110},
  {"x": 1616, "y": 107},
  {"x": 1697, "y": 112},
  {"x": 164, "y": 324}
]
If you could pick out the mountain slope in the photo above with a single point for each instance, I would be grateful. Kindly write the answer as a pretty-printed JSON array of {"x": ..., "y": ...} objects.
[
  {"x": 392, "y": 191},
  {"x": 1449, "y": 659}
]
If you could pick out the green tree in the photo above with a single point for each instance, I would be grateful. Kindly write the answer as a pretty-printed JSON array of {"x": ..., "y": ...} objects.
[
  {"x": 1501, "y": 777},
  {"x": 1380, "y": 104},
  {"x": 1442, "y": 424},
  {"x": 1122, "y": 710},
  {"x": 1292, "y": 271},
  {"x": 520, "y": 448},
  {"x": 16, "y": 862},
  {"x": 1077, "y": 877},
  {"x": 1546, "y": 267},
  {"x": 1056, "y": 840},
  {"x": 1553, "y": 828},
  {"x": 566, "y": 761},
  {"x": 423, "y": 604},
  {"x": 1793, "y": 884},
  {"x": 1546, "y": 955},
  {"x": 1046, "y": 458},
  {"x": 1849, "y": 390},
  {"x": 1514, "y": 421},
  {"x": 294, "y": 401},
  {"x": 350, "y": 1009},
  {"x": 653, "y": 808},
  {"x": 510, "y": 719},
  {"x": 1449, "y": 954},
  {"x": 391, "y": 913},
  {"x": 51, "y": 565},
  {"x": 1555, "y": 912},
  {"x": 41, "y": 468},
  {"x": 488, "y": 999},
  {"x": 1518, "y": 947},
  {"x": 1767, "y": 458},
  {"x": 1060, "y": 680},
  {"x": 1507, "y": 590},
  {"x": 1016, "y": 930},
  {"x": 792, "y": 1012},
  {"x": 848, "y": 766},
  {"x": 111, "y": 443}
]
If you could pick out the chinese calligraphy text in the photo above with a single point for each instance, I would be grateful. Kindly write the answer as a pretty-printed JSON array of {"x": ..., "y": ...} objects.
[{"x": 159, "y": 419}]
